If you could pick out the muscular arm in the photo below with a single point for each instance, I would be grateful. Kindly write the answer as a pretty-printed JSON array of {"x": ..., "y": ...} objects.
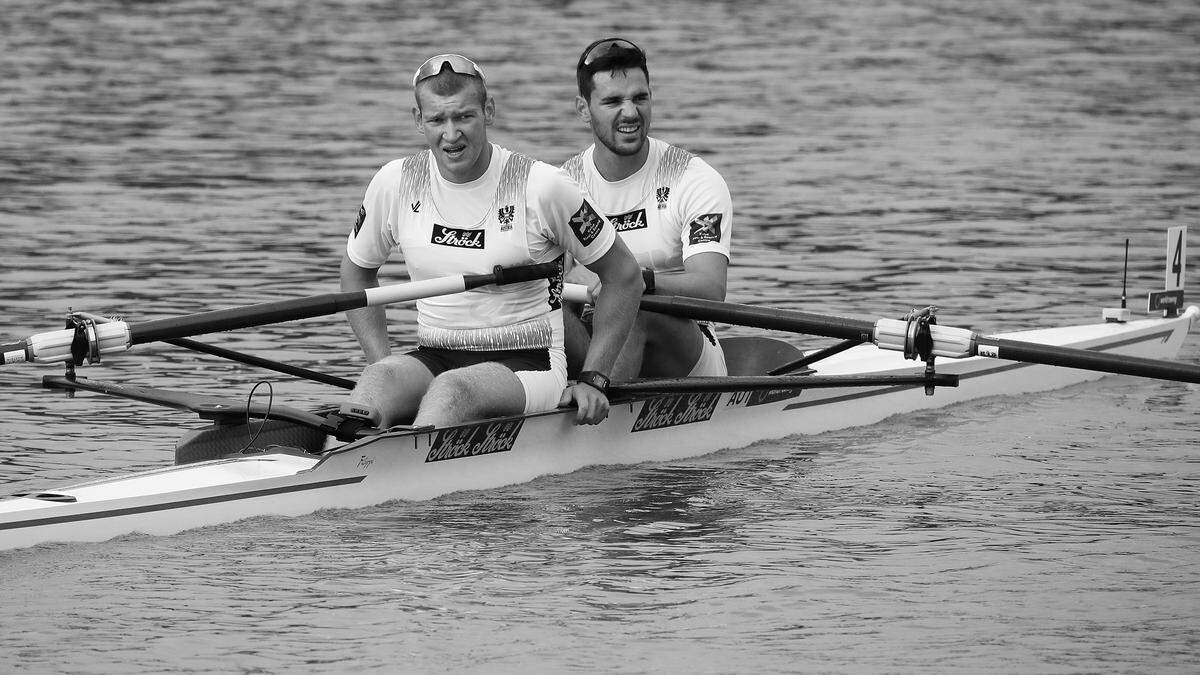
[
  {"x": 704, "y": 276},
  {"x": 616, "y": 307},
  {"x": 369, "y": 323}
]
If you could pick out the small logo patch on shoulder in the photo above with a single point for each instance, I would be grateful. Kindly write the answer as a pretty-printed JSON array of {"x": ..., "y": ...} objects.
[
  {"x": 586, "y": 224},
  {"x": 705, "y": 229}
]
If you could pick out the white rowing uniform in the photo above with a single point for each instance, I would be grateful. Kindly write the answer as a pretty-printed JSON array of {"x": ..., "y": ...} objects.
[
  {"x": 675, "y": 206},
  {"x": 520, "y": 211}
]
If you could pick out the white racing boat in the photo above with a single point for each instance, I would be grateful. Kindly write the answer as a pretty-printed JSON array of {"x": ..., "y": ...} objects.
[{"x": 280, "y": 466}]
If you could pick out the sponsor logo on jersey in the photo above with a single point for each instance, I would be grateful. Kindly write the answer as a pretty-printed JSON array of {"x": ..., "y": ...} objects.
[
  {"x": 452, "y": 236},
  {"x": 416, "y": 206},
  {"x": 505, "y": 215},
  {"x": 662, "y": 194},
  {"x": 587, "y": 224},
  {"x": 362, "y": 217},
  {"x": 556, "y": 285},
  {"x": 705, "y": 229},
  {"x": 481, "y": 439},
  {"x": 634, "y": 220},
  {"x": 672, "y": 411}
]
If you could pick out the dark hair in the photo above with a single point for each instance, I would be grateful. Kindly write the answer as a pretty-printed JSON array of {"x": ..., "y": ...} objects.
[
  {"x": 617, "y": 57},
  {"x": 448, "y": 83}
]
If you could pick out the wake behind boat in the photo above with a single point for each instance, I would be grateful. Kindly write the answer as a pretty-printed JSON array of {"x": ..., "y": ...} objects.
[{"x": 281, "y": 466}]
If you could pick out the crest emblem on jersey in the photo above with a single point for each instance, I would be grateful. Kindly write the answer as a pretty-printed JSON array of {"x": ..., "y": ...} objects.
[
  {"x": 587, "y": 224},
  {"x": 705, "y": 229},
  {"x": 634, "y": 220},
  {"x": 362, "y": 217},
  {"x": 505, "y": 214},
  {"x": 452, "y": 236},
  {"x": 662, "y": 194}
]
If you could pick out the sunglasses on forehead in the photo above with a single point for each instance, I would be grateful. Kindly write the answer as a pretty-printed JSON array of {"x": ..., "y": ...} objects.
[
  {"x": 458, "y": 63},
  {"x": 602, "y": 48}
]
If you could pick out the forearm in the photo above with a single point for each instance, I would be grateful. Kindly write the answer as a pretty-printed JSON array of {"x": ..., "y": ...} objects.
[
  {"x": 616, "y": 309},
  {"x": 368, "y": 323},
  {"x": 370, "y": 327}
]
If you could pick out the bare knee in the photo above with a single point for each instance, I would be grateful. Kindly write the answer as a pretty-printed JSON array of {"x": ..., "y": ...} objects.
[{"x": 450, "y": 386}]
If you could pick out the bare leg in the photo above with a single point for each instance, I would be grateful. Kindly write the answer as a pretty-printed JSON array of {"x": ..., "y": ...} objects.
[
  {"x": 576, "y": 341},
  {"x": 660, "y": 346},
  {"x": 394, "y": 387},
  {"x": 471, "y": 393}
]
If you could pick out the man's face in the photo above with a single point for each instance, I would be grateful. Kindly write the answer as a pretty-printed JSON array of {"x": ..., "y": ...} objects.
[
  {"x": 619, "y": 110},
  {"x": 455, "y": 128}
]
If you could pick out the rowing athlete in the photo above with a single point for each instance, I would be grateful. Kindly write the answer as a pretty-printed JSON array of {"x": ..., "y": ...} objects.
[
  {"x": 670, "y": 207},
  {"x": 465, "y": 205}
]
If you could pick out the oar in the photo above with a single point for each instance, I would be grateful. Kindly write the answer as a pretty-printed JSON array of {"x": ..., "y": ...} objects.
[
  {"x": 675, "y": 385},
  {"x": 895, "y": 335},
  {"x": 268, "y": 364},
  {"x": 91, "y": 339}
]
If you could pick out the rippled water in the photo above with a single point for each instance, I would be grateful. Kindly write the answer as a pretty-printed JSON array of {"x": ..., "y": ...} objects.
[{"x": 162, "y": 158}]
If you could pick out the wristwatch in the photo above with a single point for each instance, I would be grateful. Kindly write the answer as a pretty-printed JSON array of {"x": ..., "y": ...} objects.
[{"x": 594, "y": 379}]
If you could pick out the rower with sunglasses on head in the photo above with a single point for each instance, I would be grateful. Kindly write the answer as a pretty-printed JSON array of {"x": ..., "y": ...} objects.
[
  {"x": 670, "y": 207},
  {"x": 463, "y": 206}
]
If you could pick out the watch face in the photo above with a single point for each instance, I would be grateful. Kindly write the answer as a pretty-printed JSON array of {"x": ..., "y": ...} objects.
[{"x": 595, "y": 379}]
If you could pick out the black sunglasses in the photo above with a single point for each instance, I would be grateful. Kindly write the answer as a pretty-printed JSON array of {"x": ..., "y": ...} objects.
[{"x": 601, "y": 48}]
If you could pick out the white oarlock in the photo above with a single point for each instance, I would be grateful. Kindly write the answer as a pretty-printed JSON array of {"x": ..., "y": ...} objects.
[
  {"x": 55, "y": 346},
  {"x": 954, "y": 343}
]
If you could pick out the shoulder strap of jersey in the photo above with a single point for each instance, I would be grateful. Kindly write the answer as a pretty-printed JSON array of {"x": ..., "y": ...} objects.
[
  {"x": 671, "y": 166},
  {"x": 510, "y": 194},
  {"x": 574, "y": 168},
  {"x": 414, "y": 179}
]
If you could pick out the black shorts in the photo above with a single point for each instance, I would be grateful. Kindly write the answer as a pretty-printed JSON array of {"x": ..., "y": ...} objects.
[{"x": 439, "y": 361}]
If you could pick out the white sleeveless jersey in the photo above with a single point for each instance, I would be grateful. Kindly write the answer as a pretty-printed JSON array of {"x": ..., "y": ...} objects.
[
  {"x": 674, "y": 207},
  {"x": 520, "y": 211}
]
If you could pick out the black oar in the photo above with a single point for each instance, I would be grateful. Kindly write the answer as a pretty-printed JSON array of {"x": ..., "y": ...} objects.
[
  {"x": 90, "y": 339},
  {"x": 677, "y": 385},
  {"x": 891, "y": 334},
  {"x": 268, "y": 364},
  {"x": 950, "y": 342}
]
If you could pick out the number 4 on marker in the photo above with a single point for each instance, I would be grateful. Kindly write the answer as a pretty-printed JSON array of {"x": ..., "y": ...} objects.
[{"x": 1176, "y": 257}]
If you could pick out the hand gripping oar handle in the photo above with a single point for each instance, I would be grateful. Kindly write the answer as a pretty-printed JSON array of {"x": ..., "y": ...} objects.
[{"x": 90, "y": 339}]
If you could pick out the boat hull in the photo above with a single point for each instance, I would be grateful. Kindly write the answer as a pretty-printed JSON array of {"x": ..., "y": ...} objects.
[{"x": 423, "y": 464}]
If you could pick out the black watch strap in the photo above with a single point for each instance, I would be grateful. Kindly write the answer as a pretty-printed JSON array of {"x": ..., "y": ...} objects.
[{"x": 594, "y": 379}]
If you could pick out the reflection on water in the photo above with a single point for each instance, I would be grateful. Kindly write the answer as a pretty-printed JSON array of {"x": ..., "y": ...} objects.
[{"x": 167, "y": 158}]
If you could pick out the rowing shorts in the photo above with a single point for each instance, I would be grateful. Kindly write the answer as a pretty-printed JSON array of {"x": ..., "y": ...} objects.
[
  {"x": 712, "y": 358},
  {"x": 542, "y": 372}
]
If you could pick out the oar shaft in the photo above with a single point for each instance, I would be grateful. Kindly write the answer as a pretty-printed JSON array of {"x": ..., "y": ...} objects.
[
  {"x": 1030, "y": 352},
  {"x": 791, "y": 320},
  {"x": 896, "y": 335},
  {"x": 268, "y": 364},
  {"x": 245, "y": 317},
  {"x": 93, "y": 338},
  {"x": 766, "y": 382},
  {"x": 330, "y": 303}
]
